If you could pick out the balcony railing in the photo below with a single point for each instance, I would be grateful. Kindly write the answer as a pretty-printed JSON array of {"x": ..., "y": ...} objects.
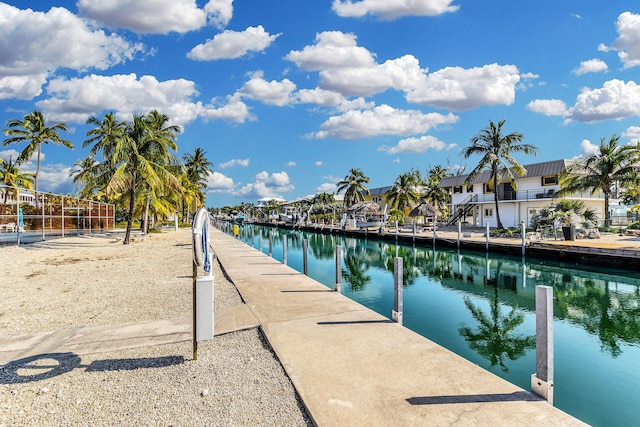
[{"x": 538, "y": 194}]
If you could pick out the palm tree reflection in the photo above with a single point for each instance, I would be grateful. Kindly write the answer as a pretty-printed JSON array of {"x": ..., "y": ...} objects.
[
  {"x": 355, "y": 271},
  {"x": 494, "y": 338}
]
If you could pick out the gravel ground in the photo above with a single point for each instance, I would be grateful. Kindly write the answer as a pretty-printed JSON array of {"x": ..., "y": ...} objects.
[{"x": 236, "y": 381}]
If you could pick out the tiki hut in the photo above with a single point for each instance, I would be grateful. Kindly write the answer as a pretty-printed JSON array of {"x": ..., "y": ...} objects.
[{"x": 425, "y": 210}]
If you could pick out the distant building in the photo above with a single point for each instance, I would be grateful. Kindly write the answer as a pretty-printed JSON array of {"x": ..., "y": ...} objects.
[{"x": 475, "y": 203}]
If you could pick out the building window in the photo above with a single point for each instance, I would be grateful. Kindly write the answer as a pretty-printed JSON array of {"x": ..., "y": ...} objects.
[
  {"x": 488, "y": 212},
  {"x": 550, "y": 180},
  {"x": 470, "y": 188},
  {"x": 457, "y": 189},
  {"x": 487, "y": 189}
]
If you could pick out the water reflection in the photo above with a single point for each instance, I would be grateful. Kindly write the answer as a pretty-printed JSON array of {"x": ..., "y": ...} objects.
[{"x": 495, "y": 336}]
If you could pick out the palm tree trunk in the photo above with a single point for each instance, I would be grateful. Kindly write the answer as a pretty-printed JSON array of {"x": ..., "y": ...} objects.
[
  {"x": 132, "y": 200},
  {"x": 607, "y": 215},
  {"x": 495, "y": 191},
  {"x": 145, "y": 217}
]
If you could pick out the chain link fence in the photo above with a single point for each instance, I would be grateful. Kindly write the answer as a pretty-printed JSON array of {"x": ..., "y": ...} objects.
[{"x": 27, "y": 217}]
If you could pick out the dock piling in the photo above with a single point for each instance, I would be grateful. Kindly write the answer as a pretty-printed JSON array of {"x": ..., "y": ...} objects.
[
  {"x": 284, "y": 249},
  {"x": 305, "y": 257},
  {"x": 542, "y": 380},
  {"x": 487, "y": 236},
  {"x": 271, "y": 244},
  {"x": 338, "y": 286},
  {"x": 396, "y": 314}
]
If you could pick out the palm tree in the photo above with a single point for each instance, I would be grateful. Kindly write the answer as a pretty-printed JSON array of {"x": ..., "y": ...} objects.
[
  {"x": 12, "y": 178},
  {"x": 139, "y": 154},
  {"x": 32, "y": 129},
  {"x": 600, "y": 171},
  {"x": 432, "y": 192},
  {"x": 198, "y": 168},
  {"x": 353, "y": 185},
  {"x": 404, "y": 192},
  {"x": 496, "y": 150}
]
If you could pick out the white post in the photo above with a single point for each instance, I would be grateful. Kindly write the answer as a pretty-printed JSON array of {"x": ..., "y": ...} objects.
[
  {"x": 338, "y": 286},
  {"x": 175, "y": 222},
  {"x": 305, "y": 266},
  {"x": 396, "y": 314},
  {"x": 487, "y": 235},
  {"x": 414, "y": 231},
  {"x": 523, "y": 231},
  {"x": 270, "y": 244},
  {"x": 43, "y": 223},
  {"x": 62, "y": 214},
  {"x": 542, "y": 380},
  {"x": 260, "y": 239},
  {"x": 459, "y": 232},
  {"x": 284, "y": 249}
]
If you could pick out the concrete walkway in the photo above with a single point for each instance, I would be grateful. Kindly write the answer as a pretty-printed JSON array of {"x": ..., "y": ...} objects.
[{"x": 353, "y": 367}]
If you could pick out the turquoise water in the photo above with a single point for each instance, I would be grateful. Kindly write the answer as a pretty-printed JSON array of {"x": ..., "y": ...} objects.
[{"x": 482, "y": 307}]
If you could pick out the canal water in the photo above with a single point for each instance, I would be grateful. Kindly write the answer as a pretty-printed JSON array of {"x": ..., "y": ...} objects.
[{"x": 482, "y": 307}]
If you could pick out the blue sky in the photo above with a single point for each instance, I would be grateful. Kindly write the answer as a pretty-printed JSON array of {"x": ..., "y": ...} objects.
[{"x": 287, "y": 96}]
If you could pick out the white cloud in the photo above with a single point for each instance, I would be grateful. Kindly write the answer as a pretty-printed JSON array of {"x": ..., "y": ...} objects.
[
  {"x": 12, "y": 154},
  {"x": 291, "y": 164},
  {"x": 219, "y": 12},
  {"x": 456, "y": 88},
  {"x": 591, "y": 66},
  {"x": 234, "y": 110},
  {"x": 75, "y": 99},
  {"x": 272, "y": 93},
  {"x": 235, "y": 162},
  {"x": 219, "y": 183},
  {"x": 327, "y": 187},
  {"x": 632, "y": 133},
  {"x": 157, "y": 16},
  {"x": 628, "y": 42},
  {"x": 36, "y": 44},
  {"x": 333, "y": 50},
  {"x": 392, "y": 9},
  {"x": 233, "y": 44},
  {"x": 382, "y": 120},
  {"x": 587, "y": 148},
  {"x": 615, "y": 100},
  {"x": 54, "y": 178},
  {"x": 403, "y": 73},
  {"x": 329, "y": 98},
  {"x": 267, "y": 185},
  {"x": 318, "y": 163},
  {"x": 418, "y": 145},
  {"x": 548, "y": 107},
  {"x": 396, "y": 160}
]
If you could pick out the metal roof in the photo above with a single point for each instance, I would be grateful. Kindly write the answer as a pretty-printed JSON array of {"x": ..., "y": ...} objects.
[{"x": 551, "y": 168}]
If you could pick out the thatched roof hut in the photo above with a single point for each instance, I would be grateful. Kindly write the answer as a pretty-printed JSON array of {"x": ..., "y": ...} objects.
[
  {"x": 425, "y": 209},
  {"x": 365, "y": 208}
]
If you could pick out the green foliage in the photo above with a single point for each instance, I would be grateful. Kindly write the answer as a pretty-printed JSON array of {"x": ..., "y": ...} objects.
[{"x": 634, "y": 226}]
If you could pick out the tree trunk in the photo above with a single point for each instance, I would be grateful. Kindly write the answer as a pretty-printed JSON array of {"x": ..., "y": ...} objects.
[
  {"x": 495, "y": 192},
  {"x": 607, "y": 216},
  {"x": 145, "y": 218},
  {"x": 132, "y": 199}
]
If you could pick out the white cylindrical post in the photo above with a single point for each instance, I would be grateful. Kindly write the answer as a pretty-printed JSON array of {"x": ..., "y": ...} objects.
[
  {"x": 396, "y": 230},
  {"x": 338, "y": 286},
  {"x": 542, "y": 380},
  {"x": 253, "y": 236},
  {"x": 43, "y": 222},
  {"x": 305, "y": 257},
  {"x": 523, "y": 231},
  {"x": 459, "y": 232},
  {"x": 396, "y": 314},
  {"x": 414, "y": 231},
  {"x": 62, "y": 213},
  {"x": 270, "y": 244},
  {"x": 284, "y": 249},
  {"x": 175, "y": 222},
  {"x": 260, "y": 239},
  {"x": 434, "y": 232},
  {"x": 487, "y": 236}
]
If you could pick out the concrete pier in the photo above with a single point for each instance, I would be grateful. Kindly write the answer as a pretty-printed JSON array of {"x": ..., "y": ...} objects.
[{"x": 354, "y": 367}]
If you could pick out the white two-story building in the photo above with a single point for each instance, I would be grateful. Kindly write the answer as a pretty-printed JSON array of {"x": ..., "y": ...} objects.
[{"x": 475, "y": 203}]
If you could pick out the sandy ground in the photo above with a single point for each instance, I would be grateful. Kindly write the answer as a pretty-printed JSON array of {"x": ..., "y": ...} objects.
[{"x": 97, "y": 281}]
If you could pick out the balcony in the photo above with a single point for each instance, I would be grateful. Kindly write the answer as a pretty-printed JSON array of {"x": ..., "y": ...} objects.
[{"x": 537, "y": 194}]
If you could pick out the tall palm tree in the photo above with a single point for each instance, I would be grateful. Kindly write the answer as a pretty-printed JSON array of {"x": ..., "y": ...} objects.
[
  {"x": 32, "y": 129},
  {"x": 353, "y": 185},
  {"x": 198, "y": 168},
  {"x": 600, "y": 171},
  {"x": 140, "y": 156},
  {"x": 432, "y": 193},
  {"x": 12, "y": 178},
  {"x": 496, "y": 150},
  {"x": 404, "y": 192}
]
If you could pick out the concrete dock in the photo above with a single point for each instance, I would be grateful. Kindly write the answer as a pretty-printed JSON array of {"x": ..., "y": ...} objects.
[{"x": 354, "y": 367}]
